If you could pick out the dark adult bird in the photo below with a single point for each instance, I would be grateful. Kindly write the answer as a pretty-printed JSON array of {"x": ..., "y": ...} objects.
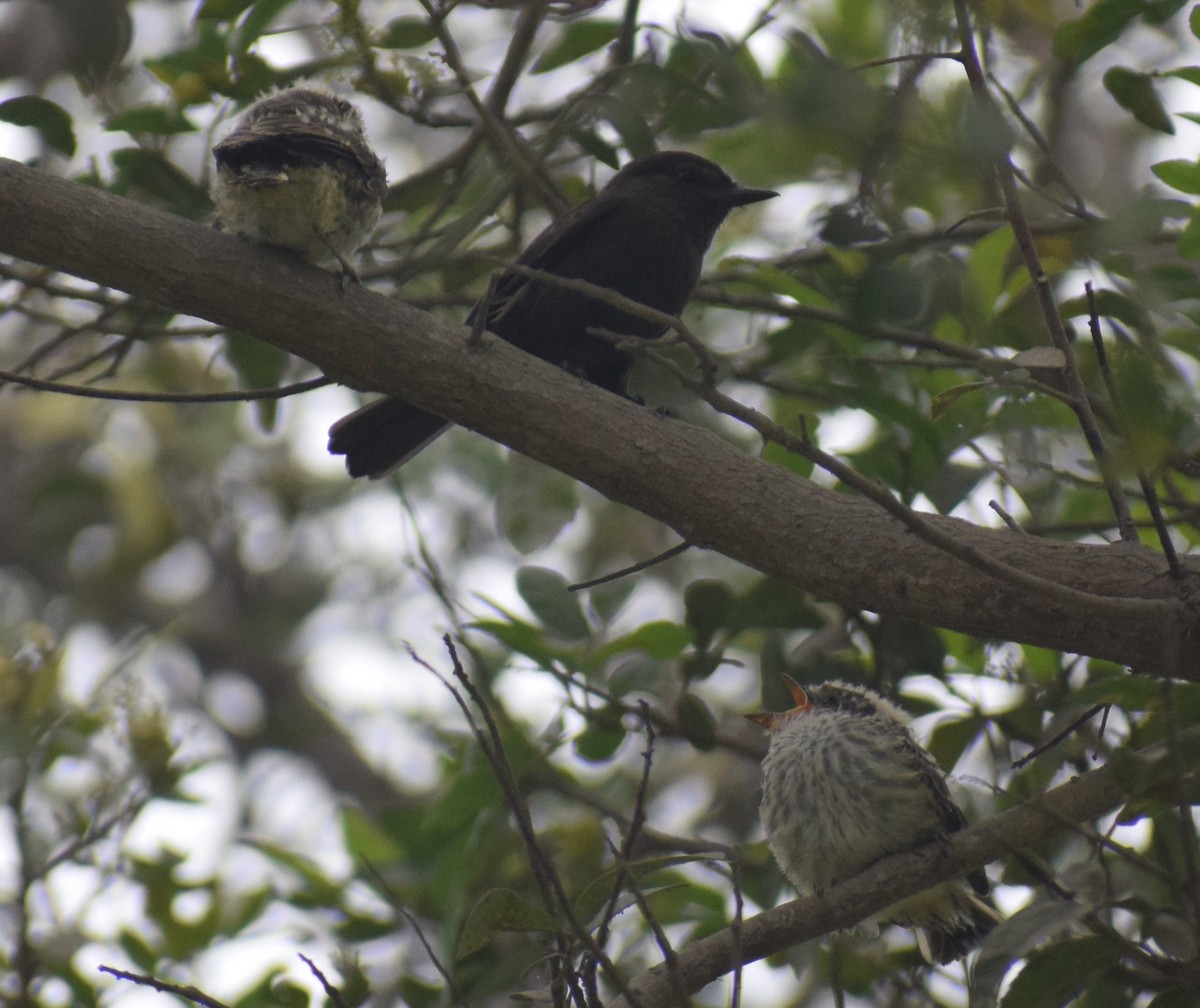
[
  {"x": 298, "y": 173},
  {"x": 644, "y": 235},
  {"x": 845, "y": 784}
]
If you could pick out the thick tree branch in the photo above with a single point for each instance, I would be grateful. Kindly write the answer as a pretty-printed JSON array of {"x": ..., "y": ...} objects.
[
  {"x": 884, "y": 883},
  {"x": 837, "y": 546}
]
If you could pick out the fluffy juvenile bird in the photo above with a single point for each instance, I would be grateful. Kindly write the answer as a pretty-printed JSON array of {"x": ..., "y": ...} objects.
[
  {"x": 643, "y": 235},
  {"x": 845, "y": 784},
  {"x": 297, "y": 172}
]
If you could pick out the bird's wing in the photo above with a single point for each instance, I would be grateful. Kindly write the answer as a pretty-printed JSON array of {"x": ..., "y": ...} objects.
[
  {"x": 300, "y": 144},
  {"x": 951, "y": 815},
  {"x": 552, "y": 250}
]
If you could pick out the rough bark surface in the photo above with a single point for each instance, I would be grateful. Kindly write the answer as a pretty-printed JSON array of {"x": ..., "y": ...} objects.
[{"x": 839, "y": 547}]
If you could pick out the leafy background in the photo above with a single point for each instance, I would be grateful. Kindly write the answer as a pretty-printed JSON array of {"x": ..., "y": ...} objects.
[{"x": 227, "y": 735}]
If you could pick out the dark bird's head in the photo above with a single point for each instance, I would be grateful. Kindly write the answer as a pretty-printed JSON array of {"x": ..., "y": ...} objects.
[{"x": 687, "y": 184}]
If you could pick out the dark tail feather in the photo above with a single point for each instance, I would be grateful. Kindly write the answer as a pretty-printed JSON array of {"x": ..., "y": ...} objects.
[
  {"x": 382, "y": 436},
  {"x": 954, "y": 939}
]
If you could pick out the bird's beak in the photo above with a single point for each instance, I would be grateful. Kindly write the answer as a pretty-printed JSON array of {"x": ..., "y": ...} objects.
[
  {"x": 743, "y": 195},
  {"x": 798, "y": 694},
  {"x": 773, "y": 720}
]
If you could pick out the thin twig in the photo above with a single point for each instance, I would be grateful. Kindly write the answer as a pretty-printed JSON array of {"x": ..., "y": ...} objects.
[
  {"x": 633, "y": 829},
  {"x": 1148, "y": 491},
  {"x": 735, "y": 931},
  {"x": 331, "y": 991},
  {"x": 802, "y": 445},
  {"x": 670, "y": 956},
  {"x": 905, "y": 58},
  {"x": 1042, "y": 286},
  {"x": 1079, "y": 208},
  {"x": 187, "y": 992},
  {"x": 636, "y": 568},
  {"x": 127, "y": 395},
  {"x": 624, "y": 855},
  {"x": 554, "y": 896},
  {"x": 398, "y": 905},
  {"x": 507, "y": 143},
  {"x": 1058, "y": 736},
  {"x": 1008, "y": 519},
  {"x": 1184, "y": 816}
]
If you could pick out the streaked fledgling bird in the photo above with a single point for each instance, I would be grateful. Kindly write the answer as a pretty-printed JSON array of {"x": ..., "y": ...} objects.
[
  {"x": 845, "y": 784},
  {"x": 644, "y": 235},
  {"x": 298, "y": 173}
]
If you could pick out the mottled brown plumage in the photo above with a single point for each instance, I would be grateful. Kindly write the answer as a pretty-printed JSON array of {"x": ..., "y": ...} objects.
[
  {"x": 298, "y": 173},
  {"x": 845, "y": 784}
]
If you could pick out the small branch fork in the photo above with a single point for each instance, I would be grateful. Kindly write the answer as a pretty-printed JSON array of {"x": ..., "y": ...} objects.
[
  {"x": 1015, "y": 212},
  {"x": 802, "y": 445},
  {"x": 565, "y": 982},
  {"x": 127, "y": 395},
  {"x": 196, "y": 996}
]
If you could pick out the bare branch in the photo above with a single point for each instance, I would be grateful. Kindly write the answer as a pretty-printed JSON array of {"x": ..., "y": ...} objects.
[
  {"x": 187, "y": 992},
  {"x": 712, "y": 493},
  {"x": 889, "y": 880}
]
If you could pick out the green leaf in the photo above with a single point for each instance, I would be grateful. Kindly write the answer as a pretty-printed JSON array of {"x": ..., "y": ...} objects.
[
  {"x": 1149, "y": 413},
  {"x": 1109, "y": 304},
  {"x": 577, "y": 40},
  {"x": 259, "y": 365},
  {"x": 988, "y": 266},
  {"x": 288, "y": 993},
  {"x": 558, "y": 610},
  {"x": 406, "y": 33},
  {"x": 148, "y": 173},
  {"x": 629, "y": 120},
  {"x": 707, "y": 605},
  {"x": 365, "y": 841},
  {"x": 50, "y": 120},
  {"x": 771, "y": 604},
  {"x": 596, "y": 894},
  {"x": 221, "y": 10},
  {"x": 1013, "y": 938},
  {"x": 1179, "y": 174},
  {"x": 1102, "y": 24},
  {"x": 418, "y": 993},
  {"x": 1191, "y": 74},
  {"x": 660, "y": 639},
  {"x": 534, "y": 503},
  {"x": 951, "y": 738},
  {"x": 1189, "y": 239},
  {"x": 501, "y": 910},
  {"x": 256, "y": 22},
  {"x": 1184, "y": 996},
  {"x": 156, "y": 119},
  {"x": 1040, "y": 357},
  {"x": 317, "y": 886},
  {"x": 695, "y": 722},
  {"x": 591, "y": 143},
  {"x": 602, "y": 736},
  {"x": 1055, "y": 975},
  {"x": 948, "y": 397},
  {"x": 519, "y": 636},
  {"x": 1136, "y": 93},
  {"x": 1160, "y": 11}
]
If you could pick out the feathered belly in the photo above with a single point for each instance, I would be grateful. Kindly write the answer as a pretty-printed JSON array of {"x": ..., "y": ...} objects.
[{"x": 836, "y": 803}]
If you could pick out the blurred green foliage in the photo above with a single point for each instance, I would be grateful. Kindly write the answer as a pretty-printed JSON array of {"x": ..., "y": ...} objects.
[{"x": 165, "y": 553}]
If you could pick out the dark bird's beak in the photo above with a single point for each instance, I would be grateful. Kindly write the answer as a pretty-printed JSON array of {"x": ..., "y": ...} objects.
[{"x": 742, "y": 195}]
